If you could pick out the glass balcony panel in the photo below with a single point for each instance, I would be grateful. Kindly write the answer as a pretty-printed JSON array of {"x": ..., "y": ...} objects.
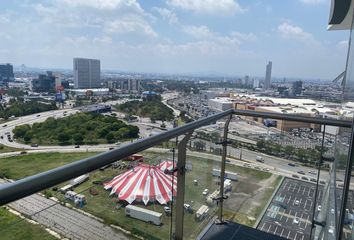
[{"x": 201, "y": 179}]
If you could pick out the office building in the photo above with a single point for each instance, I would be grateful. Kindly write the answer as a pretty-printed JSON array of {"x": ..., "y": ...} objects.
[
  {"x": 296, "y": 88},
  {"x": 255, "y": 83},
  {"x": 268, "y": 77},
  {"x": 44, "y": 83},
  {"x": 87, "y": 73},
  {"x": 6, "y": 73},
  {"x": 125, "y": 85}
]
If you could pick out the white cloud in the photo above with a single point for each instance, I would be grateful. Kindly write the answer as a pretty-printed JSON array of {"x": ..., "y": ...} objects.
[
  {"x": 313, "y": 2},
  {"x": 293, "y": 32},
  {"x": 111, "y": 16},
  {"x": 244, "y": 36},
  {"x": 199, "y": 32},
  {"x": 4, "y": 19},
  {"x": 213, "y": 7},
  {"x": 167, "y": 14},
  {"x": 130, "y": 24},
  {"x": 342, "y": 44},
  {"x": 204, "y": 33},
  {"x": 103, "y": 4},
  {"x": 102, "y": 40}
]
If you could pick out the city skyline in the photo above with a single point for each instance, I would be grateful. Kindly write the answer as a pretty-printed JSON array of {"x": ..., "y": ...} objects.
[{"x": 175, "y": 36}]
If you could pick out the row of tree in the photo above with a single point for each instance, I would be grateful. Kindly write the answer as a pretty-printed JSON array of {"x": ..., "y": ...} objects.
[
  {"x": 309, "y": 155},
  {"x": 81, "y": 128},
  {"x": 18, "y": 108}
]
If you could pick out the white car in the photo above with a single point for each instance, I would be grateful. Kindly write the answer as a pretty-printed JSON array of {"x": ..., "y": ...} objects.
[
  {"x": 205, "y": 192},
  {"x": 186, "y": 206},
  {"x": 297, "y": 202},
  {"x": 167, "y": 210},
  {"x": 296, "y": 220},
  {"x": 332, "y": 211},
  {"x": 331, "y": 230},
  {"x": 319, "y": 208}
]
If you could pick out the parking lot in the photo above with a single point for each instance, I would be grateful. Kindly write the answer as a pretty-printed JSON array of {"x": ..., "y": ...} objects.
[{"x": 290, "y": 212}]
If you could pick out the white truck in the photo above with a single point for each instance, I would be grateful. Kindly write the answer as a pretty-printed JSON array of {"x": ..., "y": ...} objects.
[
  {"x": 228, "y": 175},
  {"x": 202, "y": 213},
  {"x": 66, "y": 188},
  {"x": 143, "y": 214},
  {"x": 77, "y": 181},
  {"x": 259, "y": 159}
]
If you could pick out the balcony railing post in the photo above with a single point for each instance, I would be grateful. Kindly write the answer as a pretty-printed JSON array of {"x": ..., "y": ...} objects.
[
  {"x": 181, "y": 177},
  {"x": 320, "y": 160},
  {"x": 348, "y": 173},
  {"x": 222, "y": 170}
]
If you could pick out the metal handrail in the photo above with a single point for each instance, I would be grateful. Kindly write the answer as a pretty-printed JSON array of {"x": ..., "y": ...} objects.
[{"x": 24, "y": 187}]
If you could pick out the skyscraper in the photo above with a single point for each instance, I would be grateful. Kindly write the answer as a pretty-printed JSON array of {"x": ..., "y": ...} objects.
[
  {"x": 268, "y": 76},
  {"x": 296, "y": 88},
  {"x": 87, "y": 73},
  {"x": 6, "y": 73}
]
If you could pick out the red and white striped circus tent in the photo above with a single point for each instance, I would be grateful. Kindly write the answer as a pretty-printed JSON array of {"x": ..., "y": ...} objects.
[
  {"x": 166, "y": 165},
  {"x": 144, "y": 183}
]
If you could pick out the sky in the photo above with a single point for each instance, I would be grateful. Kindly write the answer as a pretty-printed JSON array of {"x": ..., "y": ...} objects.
[{"x": 231, "y": 37}]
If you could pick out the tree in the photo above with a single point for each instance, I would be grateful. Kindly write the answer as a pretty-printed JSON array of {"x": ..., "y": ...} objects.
[
  {"x": 261, "y": 144},
  {"x": 123, "y": 132},
  {"x": 110, "y": 137},
  {"x": 215, "y": 136},
  {"x": 28, "y": 137},
  {"x": 20, "y": 131},
  {"x": 199, "y": 145},
  {"x": 289, "y": 150},
  {"x": 63, "y": 138},
  {"x": 78, "y": 138}
]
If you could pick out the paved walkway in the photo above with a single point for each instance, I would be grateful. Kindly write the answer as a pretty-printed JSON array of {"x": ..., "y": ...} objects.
[{"x": 65, "y": 221}]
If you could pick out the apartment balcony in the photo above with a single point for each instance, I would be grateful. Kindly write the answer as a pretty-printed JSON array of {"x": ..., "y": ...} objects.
[{"x": 305, "y": 192}]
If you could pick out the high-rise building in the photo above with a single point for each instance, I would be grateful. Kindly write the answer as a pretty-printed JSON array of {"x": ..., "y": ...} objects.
[
  {"x": 268, "y": 76},
  {"x": 87, "y": 73},
  {"x": 44, "y": 83},
  {"x": 296, "y": 88},
  {"x": 255, "y": 83},
  {"x": 126, "y": 85},
  {"x": 6, "y": 73}
]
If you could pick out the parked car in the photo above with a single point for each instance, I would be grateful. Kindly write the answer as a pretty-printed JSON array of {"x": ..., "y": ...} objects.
[
  {"x": 301, "y": 172},
  {"x": 205, "y": 192},
  {"x": 296, "y": 220},
  {"x": 167, "y": 210}
]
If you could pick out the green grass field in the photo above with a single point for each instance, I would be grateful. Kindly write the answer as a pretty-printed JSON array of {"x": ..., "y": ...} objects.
[
  {"x": 5, "y": 149},
  {"x": 14, "y": 228},
  {"x": 25, "y": 165}
]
